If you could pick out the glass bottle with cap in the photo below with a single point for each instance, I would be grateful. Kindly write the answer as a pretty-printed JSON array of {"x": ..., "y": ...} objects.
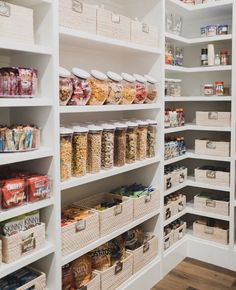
[
  {"x": 151, "y": 89},
  {"x": 99, "y": 87},
  {"x": 107, "y": 157},
  {"x": 129, "y": 91},
  {"x": 81, "y": 87},
  {"x": 151, "y": 138},
  {"x": 94, "y": 149},
  {"x": 131, "y": 142},
  {"x": 65, "y": 153},
  {"x": 65, "y": 86},
  {"x": 115, "y": 88},
  {"x": 120, "y": 144},
  {"x": 142, "y": 140},
  {"x": 141, "y": 89}
]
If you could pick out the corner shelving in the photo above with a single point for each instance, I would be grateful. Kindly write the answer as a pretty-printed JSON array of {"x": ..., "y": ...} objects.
[
  {"x": 34, "y": 102},
  {"x": 198, "y": 99},
  {"x": 200, "y": 69}
]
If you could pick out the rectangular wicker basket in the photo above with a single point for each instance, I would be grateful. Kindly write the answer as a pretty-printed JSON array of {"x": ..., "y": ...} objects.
[
  {"x": 219, "y": 178},
  {"x": 168, "y": 240},
  {"x": 215, "y": 148},
  {"x": 180, "y": 232},
  {"x": 210, "y": 205},
  {"x": 218, "y": 119},
  {"x": 144, "y": 34},
  {"x": 94, "y": 284},
  {"x": 37, "y": 284}
]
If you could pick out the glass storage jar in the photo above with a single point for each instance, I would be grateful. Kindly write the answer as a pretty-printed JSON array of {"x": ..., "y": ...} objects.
[
  {"x": 129, "y": 91},
  {"x": 177, "y": 87},
  {"x": 65, "y": 86},
  {"x": 107, "y": 158},
  {"x": 81, "y": 87},
  {"x": 94, "y": 149},
  {"x": 120, "y": 144},
  {"x": 131, "y": 142},
  {"x": 79, "y": 151},
  {"x": 115, "y": 88},
  {"x": 65, "y": 153},
  {"x": 151, "y": 89},
  {"x": 151, "y": 138},
  {"x": 99, "y": 88},
  {"x": 142, "y": 140},
  {"x": 141, "y": 89}
]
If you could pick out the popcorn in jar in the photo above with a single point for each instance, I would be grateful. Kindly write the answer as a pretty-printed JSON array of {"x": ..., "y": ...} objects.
[
  {"x": 151, "y": 138},
  {"x": 129, "y": 91},
  {"x": 115, "y": 88},
  {"x": 65, "y": 153},
  {"x": 79, "y": 151},
  {"x": 120, "y": 145},
  {"x": 151, "y": 89},
  {"x": 141, "y": 89},
  {"x": 99, "y": 88},
  {"x": 107, "y": 146},
  {"x": 65, "y": 86},
  {"x": 131, "y": 142},
  {"x": 94, "y": 149},
  {"x": 142, "y": 140}
]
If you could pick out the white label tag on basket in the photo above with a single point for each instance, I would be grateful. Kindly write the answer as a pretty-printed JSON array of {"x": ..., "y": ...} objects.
[
  {"x": 118, "y": 268},
  {"x": 210, "y": 145},
  {"x": 115, "y": 18},
  {"x": 80, "y": 226},
  {"x": 118, "y": 209},
  {"x": 209, "y": 230},
  {"x": 210, "y": 203},
  {"x": 146, "y": 247},
  {"x": 5, "y": 10},
  {"x": 211, "y": 174},
  {"x": 145, "y": 28},
  {"x": 213, "y": 116},
  {"x": 148, "y": 198},
  {"x": 28, "y": 244},
  {"x": 77, "y": 6}
]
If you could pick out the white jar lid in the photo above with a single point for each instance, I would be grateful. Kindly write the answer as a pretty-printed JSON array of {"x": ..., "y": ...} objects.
[
  {"x": 119, "y": 125},
  {"x": 107, "y": 126},
  {"x": 94, "y": 128},
  {"x": 208, "y": 85},
  {"x": 98, "y": 75},
  {"x": 142, "y": 123},
  {"x": 132, "y": 124},
  {"x": 65, "y": 131},
  {"x": 114, "y": 76},
  {"x": 128, "y": 77},
  {"x": 151, "y": 122},
  {"x": 150, "y": 79},
  {"x": 177, "y": 80},
  {"x": 78, "y": 129},
  {"x": 64, "y": 73},
  {"x": 139, "y": 78},
  {"x": 83, "y": 74}
]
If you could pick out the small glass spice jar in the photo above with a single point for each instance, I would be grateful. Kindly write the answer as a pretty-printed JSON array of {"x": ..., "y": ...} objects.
[
  {"x": 79, "y": 151},
  {"x": 120, "y": 144},
  {"x": 208, "y": 90},
  {"x": 107, "y": 157},
  {"x": 99, "y": 88},
  {"x": 65, "y": 86},
  {"x": 141, "y": 89},
  {"x": 115, "y": 88},
  {"x": 129, "y": 91},
  {"x": 131, "y": 142},
  {"x": 151, "y": 138},
  {"x": 65, "y": 153},
  {"x": 224, "y": 57},
  {"x": 142, "y": 140},
  {"x": 151, "y": 89},
  {"x": 176, "y": 87}
]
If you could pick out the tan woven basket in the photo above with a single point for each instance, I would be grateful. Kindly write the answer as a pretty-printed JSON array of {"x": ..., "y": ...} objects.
[
  {"x": 168, "y": 240},
  {"x": 78, "y": 15},
  {"x": 113, "y": 218},
  {"x": 219, "y": 178},
  {"x": 219, "y": 119},
  {"x": 215, "y": 148},
  {"x": 113, "y": 277},
  {"x": 16, "y": 23},
  {"x": 145, "y": 254},
  {"x": 19, "y": 245},
  {"x": 180, "y": 232},
  {"x": 78, "y": 235},
  {"x": 211, "y": 205},
  {"x": 94, "y": 284},
  {"x": 37, "y": 284},
  {"x": 0, "y": 252},
  {"x": 144, "y": 34}
]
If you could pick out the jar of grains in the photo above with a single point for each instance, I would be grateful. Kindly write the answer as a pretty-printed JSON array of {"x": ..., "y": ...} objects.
[
  {"x": 99, "y": 88},
  {"x": 65, "y": 86},
  {"x": 81, "y": 87},
  {"x": 141, "y": 89},
  {"x": 120, "y": 144},
  {"x": 115, "y": 88},
  {"x": 131, "y": 142},
  {"x": 94, "y": 149},
  {"x": 107, "y": 158},
  {"x": 151, "y": 138},
  {"x": 79, "y": 151},
  {"x": 129, "y": 91},
  {"x": 151, "y": 89},
  {"x": 142, "y": 140},
  {"x": 65, "y": 153}
]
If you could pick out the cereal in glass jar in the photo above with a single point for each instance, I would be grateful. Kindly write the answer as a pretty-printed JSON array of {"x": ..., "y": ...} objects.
[
  {"x": 99, "y": 86},
  {"x": 142, "y": 140},
  {"x": 120, "y": 144},
  {"x": 151, "y": 89},
  {"x": 151, "y": 138},
  {"x": 131, "y": 142},
  {"x": 115, "y": 88},
  {"x": 141, "y": 89},
  {"x": 129, "y": 91},
  {"x": 94, "y": 149},
  {"x": 65, "y": 153},
  {"x": 65, "y": 86},
  {"x": 107, "y": 146}
]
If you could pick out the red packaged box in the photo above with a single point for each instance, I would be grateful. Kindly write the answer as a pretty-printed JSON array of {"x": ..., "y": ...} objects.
[{"x": 38, "y": 188}]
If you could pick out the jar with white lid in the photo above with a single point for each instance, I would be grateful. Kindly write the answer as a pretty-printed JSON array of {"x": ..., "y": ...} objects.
[
  {"x": 94, "y": 149},
  {"x": 115, "y": 88},
  {"x": 65, "y": 86},
  {"x": 120, "y": 144},
  {"x": 81, "y": 87},
  {"x": 129, "y": 90},
  {"x": 141, "y": 89},
  {"x": 108, "y": 135},
  {"x": 131, "y": 142},
  {"x": 79, "y": 151},
  {"x": 65, "y": 153},
  {"x": 151, "y": 89},
  {"x": 99, "y": 87},
  {"x": 142, "y": 140},
  {"x": 151, "y": 138}
]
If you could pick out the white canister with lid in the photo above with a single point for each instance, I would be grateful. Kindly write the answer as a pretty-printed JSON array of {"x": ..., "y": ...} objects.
[
  {"x": 120, "y": 144},
  {"x": 65, "y": 153},
  {"x": 108, "y": 135},
  {"x": 151, "y": 89},
  {"x": 141, "y": 89},
  {"x": 131, "y": 142},
  {"x": 65, "y": 86},
  {"x": 142, "y": 139},
  {"x": 129, "y": 90},
  {"x": 94, "y": 148},
  {"x": 99, "y": 87},
  {"x": 115, "y": 92},
  {"x": 151, "y": 138}
]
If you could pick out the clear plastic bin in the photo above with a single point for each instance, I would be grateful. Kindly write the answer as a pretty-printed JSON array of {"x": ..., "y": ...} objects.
[
  {"x": 151, "y": 138},
  {"x": 94, "y": 149},
  {"x": 65, "y": 153},
  {"x": 131, "y": 142},
  {"x": 151, "y": 90},
  {"x": 65, "y": 86},
  {"x": 142, "y": 140},
  {"x": 129, "y": 90},
  {"x": 120, "y": 145},
  {"x": 141, "y": 89},
  {"x": 115, "y": 89},
  {"x": 107, "y": 146},
  {"x": 99, "y": 86}
]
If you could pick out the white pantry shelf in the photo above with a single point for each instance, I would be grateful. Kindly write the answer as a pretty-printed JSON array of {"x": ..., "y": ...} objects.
[
  {"x": 171, "y": 250},
  {"x": 22, "y": 102},
  {"x": 30, "y": 3},
  {"x": 191, "y": 182},
  {"x": 68, "y": 258},
  {"x": 175, "y": 159},
  {"x": 175, "y": 217},
  {"x": 181, "y": 69},
  {"x": 193, "y": 155},
  {"x": 192, "y": 126},
  {"x": 26, "y": 48},
  {"x": 176, "y": 188},
  {"x": 198, "y": 99}
]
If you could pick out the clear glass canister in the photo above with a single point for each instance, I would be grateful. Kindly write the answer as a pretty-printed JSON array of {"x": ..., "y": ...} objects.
[
  {"x": 108, "y": 134},
  {"x": 94, "y": 149},
  {"x": 65, "y": 153},
  {"x": 131, "y": 142},
  {"x": 177, "y": 87},
  {"x": 129, "y": 90},
  {"x": 79, "y": 151},
  {"x": 142, "y": 140},
  {"x": 141, "y": 89},
  {"x": 151, "y": 89},
  {"x": 120, "y": 145},
  {"x": 65, "y": 86},
  {"x": 99, "y": 86},
  {"x": 81, "y": 87},
  {"x": 151, "y": 138},
  {"x": 115, "y": 88}
]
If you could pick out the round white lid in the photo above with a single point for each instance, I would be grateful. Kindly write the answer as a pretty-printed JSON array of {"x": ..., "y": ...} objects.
[
  {"x": 150, "y": 79},
  {"x": 64, "y": 73},
  {"x": 142, "y": 123},
  {"x": 79, "y": 129},
  {"x": 151, "y": 122},
  {"x": 83, "y": 74},
  {"x": 94, "y": 128},
  {"x": 139, "y": 78},
  {"x": 98, "y": 75},
  {"x": 119, "y": 125},
  {"x": 128, "y": 77},
  {"x": 64, "y": 130},
  {"x": 208, "y": 85},
  {"x": 114, "y": 76},
  {"x": 132, "y": 124},
  {"x": 177, "y": 80},
  {"x": 107, "y": 126}
]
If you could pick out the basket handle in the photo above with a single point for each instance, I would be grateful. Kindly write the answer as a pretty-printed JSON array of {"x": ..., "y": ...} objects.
[
  {"x": 209, "y": 230},
  {"x": 146, "y": 247},
  {"x": 148, "y": 198},
  {"x": 118, "y": 268},
  {"x": 118, "y": 209},
  {"x": 5, "y": 9},
  {"x": 77, "y": 6}
]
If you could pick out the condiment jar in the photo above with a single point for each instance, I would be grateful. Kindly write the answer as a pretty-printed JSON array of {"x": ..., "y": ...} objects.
[
  {"x": 99, "y": 88},
  {"x": 129, "y": 90},
  {"x": 142, "y": 140},
  {"x": 94, "y": 149},
  {"x": 120, "y": 144},
  {"x": 79, "y": 151},
  {"x": 115, "y": 88},
  {"x": 65, "y": 86},
  {"x": 65, "y": 153},
  {"x": 81, "y": 87},
  {"x": 151, "y": 138},
  {"x": 107, "y": 157},
  {"x": 224, "y": 57},
  {"x": 131, "y": 142},
  {"x": 151, "y": 89},
  {"x": 219, "y": 88},
  {"x": 208, "y": 89},
  {"x": 141, "y": 89}
]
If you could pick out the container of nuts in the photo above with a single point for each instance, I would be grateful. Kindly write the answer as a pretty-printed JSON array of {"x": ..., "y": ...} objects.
[
  {"x": 120, "y": 144},
  {"x": 65, "y": 86},
  {"x": 142, "y": 140},
  {"x": 107, "y": 159},
  {"x": 65, "y": 153},
  {"x": 129, "y": 90},
  {"x": 115, "y": 88},
  {"x": 141, "y": 89},
  {"x": 79, "y": 151},
  {"x": 99, "y": 86},
  {"x": 94, "y": 149},
  {"x": 151, "y": 89},
  {"x": 151, "y": 138},
  {"x": 131, "y": 142}
]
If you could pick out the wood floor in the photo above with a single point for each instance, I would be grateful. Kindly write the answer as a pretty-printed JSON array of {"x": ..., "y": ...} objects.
[{"x": 195, "y": 275}]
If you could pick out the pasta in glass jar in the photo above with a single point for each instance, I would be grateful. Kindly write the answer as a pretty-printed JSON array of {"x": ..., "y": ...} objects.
[
  {"x": 99, "y": 87},
  {"x": 65, "y": 153},
  {"x": 129, "y": 90},
  {"x": 115, "y": 88}
]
